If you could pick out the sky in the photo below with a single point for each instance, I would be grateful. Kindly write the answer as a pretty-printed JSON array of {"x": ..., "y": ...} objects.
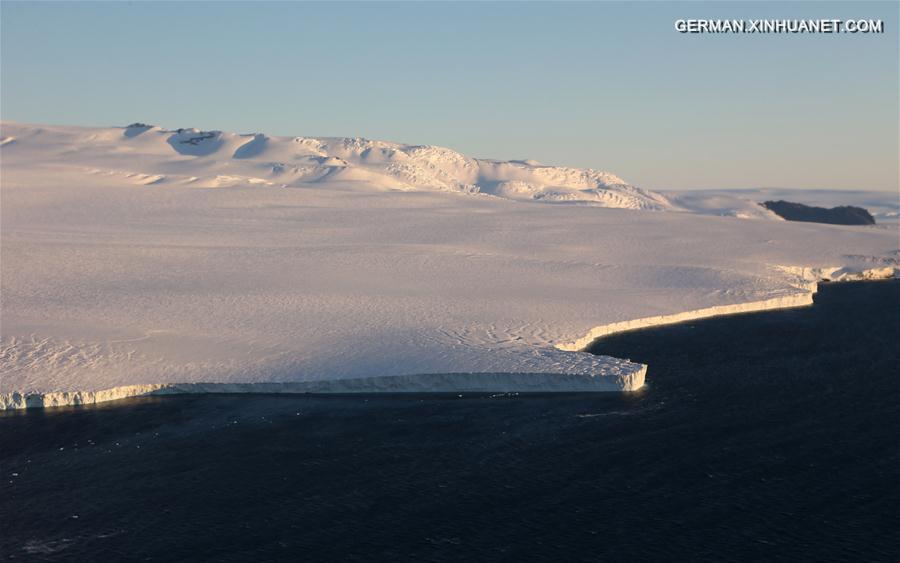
[{"x": 610, "y": 86}]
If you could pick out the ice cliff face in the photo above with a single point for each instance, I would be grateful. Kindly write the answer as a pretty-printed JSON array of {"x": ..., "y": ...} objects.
[{"x": 630, "y": 379}]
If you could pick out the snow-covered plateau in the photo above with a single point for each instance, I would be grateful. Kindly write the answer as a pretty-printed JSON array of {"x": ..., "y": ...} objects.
[{"x": 139, "y": 260}]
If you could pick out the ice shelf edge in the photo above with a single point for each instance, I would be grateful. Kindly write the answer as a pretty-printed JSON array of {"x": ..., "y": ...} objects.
[
  {"x": 420, "y": 383},
  {"x": 806, "y": 284}
]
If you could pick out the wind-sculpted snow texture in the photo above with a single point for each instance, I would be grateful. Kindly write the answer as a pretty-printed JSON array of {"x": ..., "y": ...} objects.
[{"x": 320, "y": 261}]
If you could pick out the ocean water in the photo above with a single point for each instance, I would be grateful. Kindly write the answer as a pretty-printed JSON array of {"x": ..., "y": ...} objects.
[{"x": 761, "y": 437}]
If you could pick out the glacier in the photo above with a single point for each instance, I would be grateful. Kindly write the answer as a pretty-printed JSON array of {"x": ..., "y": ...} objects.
[{"x": 139, "y": 260}]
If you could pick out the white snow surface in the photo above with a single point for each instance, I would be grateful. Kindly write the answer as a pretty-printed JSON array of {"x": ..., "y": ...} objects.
[{"x": 138, "y": 260}]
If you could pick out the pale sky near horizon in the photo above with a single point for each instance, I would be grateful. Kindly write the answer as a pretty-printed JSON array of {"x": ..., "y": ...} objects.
[{"x": 610, "y": 86}]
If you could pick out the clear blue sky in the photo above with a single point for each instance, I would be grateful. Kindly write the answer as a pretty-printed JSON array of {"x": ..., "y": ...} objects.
[{"x": 602, "y": 85}]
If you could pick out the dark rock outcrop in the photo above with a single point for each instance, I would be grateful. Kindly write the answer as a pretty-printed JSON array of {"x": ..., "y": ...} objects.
[{"x": 843, "y": 215}]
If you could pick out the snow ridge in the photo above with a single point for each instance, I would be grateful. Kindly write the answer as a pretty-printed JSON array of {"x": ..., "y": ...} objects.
[{"x": 298, "y": 161}]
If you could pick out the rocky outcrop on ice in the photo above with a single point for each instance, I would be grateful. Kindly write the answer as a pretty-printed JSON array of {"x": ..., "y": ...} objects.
[
  {"x": 841, "y": 215},
  {"x": 883, "y": 206}
]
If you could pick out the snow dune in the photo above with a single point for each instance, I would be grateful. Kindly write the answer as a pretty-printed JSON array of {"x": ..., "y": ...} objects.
[{"x": 138, "y": 260}]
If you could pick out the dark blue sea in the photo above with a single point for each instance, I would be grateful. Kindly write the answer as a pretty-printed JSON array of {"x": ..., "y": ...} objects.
[{"x": 760, "y": 437}]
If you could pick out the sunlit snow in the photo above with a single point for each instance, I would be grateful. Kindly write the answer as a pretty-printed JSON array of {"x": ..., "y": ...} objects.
[{"x": 147, "y": 258}]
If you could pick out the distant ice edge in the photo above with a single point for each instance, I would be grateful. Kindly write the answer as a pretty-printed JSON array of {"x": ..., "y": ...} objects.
[{"x": 806, "y": 282}]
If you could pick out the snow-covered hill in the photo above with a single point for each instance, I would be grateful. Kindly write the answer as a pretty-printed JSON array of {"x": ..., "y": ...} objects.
[
  {"x": 375, "y": 268},
  {"x": 150, "y": 155}
]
